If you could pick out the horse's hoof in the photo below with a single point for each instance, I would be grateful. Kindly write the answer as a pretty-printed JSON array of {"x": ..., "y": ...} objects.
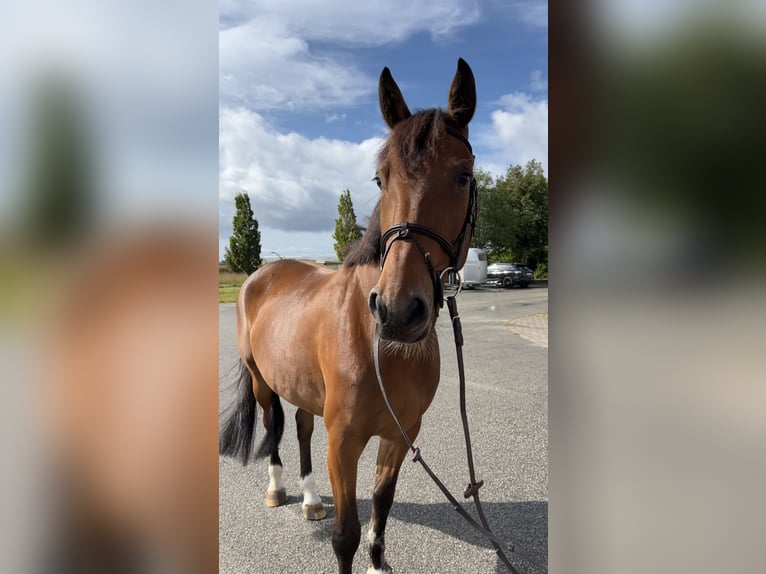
[
  {"x": 276, "y": 497},
  {"x": 314, "y": 511},
  {"x": 385, "y": 570}
]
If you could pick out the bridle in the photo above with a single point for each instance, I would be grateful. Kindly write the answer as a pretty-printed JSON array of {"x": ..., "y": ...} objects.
[{"x": 407, "y": 231}]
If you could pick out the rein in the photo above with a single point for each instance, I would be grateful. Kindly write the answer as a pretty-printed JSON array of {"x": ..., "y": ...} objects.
[
  {"x": 472, "y": 490},
  {"x": 406, "y": 232}
]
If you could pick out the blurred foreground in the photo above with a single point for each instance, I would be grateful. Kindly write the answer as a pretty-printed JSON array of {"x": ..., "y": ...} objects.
[
  {"x": 108, "y": 307},
  {"x": 658, "y": 315}
]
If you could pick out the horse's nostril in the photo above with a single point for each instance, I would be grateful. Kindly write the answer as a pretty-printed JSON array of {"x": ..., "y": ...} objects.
[
  {"x": 377, "y": 307},
  {"x": 416, "y": 312}
]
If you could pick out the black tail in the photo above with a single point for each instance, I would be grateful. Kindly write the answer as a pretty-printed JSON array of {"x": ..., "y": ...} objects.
[
  {"x": 236, "y": 437},
  {"x": 274, "y": 432}
]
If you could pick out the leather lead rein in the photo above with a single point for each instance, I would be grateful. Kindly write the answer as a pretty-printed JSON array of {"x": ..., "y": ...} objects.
[{"x": 473, "y": 486}]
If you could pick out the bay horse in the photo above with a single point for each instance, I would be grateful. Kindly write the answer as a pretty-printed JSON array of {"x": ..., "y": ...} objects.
[{"x": 305, "y": 333}]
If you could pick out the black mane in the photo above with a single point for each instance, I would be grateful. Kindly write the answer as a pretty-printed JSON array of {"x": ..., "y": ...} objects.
[{"x": 366, "y": 251}]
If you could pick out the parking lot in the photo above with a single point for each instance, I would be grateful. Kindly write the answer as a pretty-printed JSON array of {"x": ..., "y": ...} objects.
[{"x": 506, "y": 370}]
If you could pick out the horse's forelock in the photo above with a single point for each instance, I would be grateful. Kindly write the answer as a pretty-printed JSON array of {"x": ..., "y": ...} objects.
[{"x": 413, "y": 142}]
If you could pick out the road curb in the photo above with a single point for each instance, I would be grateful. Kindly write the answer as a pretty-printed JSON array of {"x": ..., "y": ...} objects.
[{"x": 533, "y": 328}]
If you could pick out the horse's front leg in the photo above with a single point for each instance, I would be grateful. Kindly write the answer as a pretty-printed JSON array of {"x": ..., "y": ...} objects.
[
  {"x": 344, "y": 450},
  {"x": 390, "y": 456}
]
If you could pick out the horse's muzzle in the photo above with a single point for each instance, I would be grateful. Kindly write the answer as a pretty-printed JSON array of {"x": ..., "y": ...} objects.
[{"x": 406, "y": 324}]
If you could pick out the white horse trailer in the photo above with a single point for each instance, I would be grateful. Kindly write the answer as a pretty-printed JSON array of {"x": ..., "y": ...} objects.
[{"x": 474, "y": 271}]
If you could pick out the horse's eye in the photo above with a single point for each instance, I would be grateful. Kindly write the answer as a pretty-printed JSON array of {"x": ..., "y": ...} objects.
[
  {"x": 376, "y": 179},
  {"x": 464, "y": 179}
]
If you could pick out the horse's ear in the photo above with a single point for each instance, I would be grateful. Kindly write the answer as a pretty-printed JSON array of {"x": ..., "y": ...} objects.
[
  {"x": 392, "y": 103},
  {"x": 462, "y": 94}
]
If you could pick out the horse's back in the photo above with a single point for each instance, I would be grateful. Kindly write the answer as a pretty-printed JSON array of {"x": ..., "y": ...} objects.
[
  {"x": 277, "y": 291},
  {"x": 284, "y": 278}
]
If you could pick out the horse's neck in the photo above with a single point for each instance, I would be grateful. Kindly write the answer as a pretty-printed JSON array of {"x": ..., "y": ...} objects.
[{"x": 366, "y": 276}]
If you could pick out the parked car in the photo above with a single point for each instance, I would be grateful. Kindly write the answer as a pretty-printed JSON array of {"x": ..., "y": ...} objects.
[{"x": 507, "y": 275}]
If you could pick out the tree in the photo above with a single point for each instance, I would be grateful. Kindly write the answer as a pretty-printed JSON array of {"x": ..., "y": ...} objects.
[
  {"x": 495, "y": 219},
  {"x": 346, "y": 229},
  {"x": 512, "y": 220},
  {"x": 60, "y": 195},
  {"x": 244, "y": 251},
  {"x": 529, "y": 197}
]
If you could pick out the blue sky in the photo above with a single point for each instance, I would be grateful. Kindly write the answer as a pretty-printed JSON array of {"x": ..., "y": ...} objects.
[{"x": 299, "y": 117}]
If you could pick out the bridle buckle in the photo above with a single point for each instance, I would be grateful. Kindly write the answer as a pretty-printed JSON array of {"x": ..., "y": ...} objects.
[{"x": 451, "y": 280}]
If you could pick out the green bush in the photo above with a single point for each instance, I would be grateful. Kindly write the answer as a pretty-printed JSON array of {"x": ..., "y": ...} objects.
[
  {"x": 541, "y": 271},
  {"x": 501, "y": 256}
]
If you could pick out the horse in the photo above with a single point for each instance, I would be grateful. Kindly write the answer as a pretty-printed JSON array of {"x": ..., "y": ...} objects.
[{"x": 305, "y": 333}]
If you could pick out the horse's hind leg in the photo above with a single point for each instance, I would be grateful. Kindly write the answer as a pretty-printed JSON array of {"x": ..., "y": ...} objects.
[
  {"x": 390, "y": 456},
  {"x": 313, "y": 509},
  {"x": 274, "y": 421},
  {"x": 276, "y": 495}
]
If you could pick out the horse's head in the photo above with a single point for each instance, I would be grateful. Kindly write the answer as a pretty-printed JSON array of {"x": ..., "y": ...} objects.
[{"x": 427, "y": 205}]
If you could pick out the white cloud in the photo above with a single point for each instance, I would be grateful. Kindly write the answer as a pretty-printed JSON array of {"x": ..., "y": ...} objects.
[
  {"x": 533, "y": 12},
  {"x": 518, "y": 133},
  {"x": 331, "y": 118},
  {"x": 293, "y": 181},
  {"x": 267, "y": 59},
  {"x": 537, "y": 82},
  {"x": 371, "y": 22},
  {"x": 263, "y": 68}
]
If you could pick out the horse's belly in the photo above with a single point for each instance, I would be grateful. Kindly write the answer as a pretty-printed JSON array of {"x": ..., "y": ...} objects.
[
  {"x": 297, "y": 385},
  {"x": 285, "y": 361}
]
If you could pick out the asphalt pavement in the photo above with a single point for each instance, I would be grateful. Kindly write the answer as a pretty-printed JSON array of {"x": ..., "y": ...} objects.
[{"x": 506, "y": 368}]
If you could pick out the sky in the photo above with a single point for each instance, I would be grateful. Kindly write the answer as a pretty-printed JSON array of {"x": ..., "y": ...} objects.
[{"x": 299, "y": 117}]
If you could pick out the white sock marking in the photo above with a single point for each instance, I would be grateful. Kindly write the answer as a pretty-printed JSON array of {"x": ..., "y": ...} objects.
[
  {"x": 275, "y": 477},
  {"x": 372, "y": 539},
  {"x": 309, "y": 488}
]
